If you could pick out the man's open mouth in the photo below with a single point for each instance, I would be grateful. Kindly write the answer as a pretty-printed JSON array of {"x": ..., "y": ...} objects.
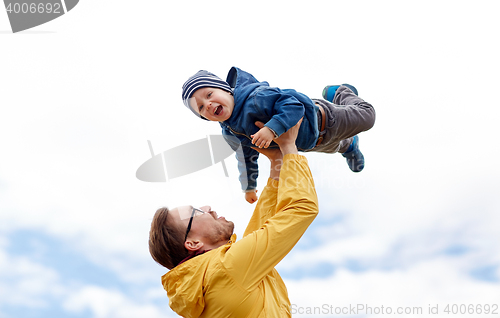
[{"x": 218, "y": 110}]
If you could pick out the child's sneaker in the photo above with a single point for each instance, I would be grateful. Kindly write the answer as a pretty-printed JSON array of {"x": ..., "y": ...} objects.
[
  {"x": 354, "y": 157},
  {"x": 329, "y": 91}
]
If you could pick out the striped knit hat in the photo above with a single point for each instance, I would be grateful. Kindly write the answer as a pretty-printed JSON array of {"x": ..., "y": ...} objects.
[{"x": 200, "y": 80}]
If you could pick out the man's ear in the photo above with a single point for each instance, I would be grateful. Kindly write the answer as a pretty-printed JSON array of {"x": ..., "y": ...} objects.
[{"x": 193, "y": 245}]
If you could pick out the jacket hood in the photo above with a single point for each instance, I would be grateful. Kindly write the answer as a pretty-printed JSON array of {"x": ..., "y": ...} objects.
[
  {"x": 185, "y": 283},
  {"x": 243, "y": 84},
  {"x": 184, "y": 286}
]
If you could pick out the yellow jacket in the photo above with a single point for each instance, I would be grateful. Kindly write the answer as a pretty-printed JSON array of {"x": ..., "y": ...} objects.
[{"x": 239, "y": 278}]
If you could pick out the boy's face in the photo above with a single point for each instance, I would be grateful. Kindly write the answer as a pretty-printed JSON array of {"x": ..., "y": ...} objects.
[{"x": 214, "y": 104}]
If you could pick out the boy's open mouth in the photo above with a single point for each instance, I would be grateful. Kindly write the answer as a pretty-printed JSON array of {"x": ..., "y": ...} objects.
[{"x": 218, "y": 110}]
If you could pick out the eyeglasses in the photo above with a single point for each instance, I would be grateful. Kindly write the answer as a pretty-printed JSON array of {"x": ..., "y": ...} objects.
[{"x": 195, "y": 212}]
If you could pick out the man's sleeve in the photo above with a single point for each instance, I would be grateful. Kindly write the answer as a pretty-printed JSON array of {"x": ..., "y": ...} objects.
[
  {"x": 265, "y": 208},
  {"x": 249, "y": 260}
]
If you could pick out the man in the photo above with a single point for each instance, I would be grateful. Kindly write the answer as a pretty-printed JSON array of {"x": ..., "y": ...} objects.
[{"x": 214, "y": 276}]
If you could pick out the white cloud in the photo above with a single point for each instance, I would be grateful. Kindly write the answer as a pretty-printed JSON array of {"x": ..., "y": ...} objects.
[
  {"x": 26, "y": 283},
  {"x": 430, "y": 282},
  {"x": 104, "y": 303}
]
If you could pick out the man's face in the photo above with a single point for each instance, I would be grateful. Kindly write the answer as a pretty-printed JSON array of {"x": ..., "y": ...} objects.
[
  {"x": 214, "y": 104},
  {"x": 208, "y": 226}
]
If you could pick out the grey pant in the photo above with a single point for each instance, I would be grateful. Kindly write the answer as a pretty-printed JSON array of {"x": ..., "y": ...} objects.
[{"x": 345, "y": 118}]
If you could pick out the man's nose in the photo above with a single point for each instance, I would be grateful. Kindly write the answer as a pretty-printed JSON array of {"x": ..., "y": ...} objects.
[{"x": 206, "y": 208}]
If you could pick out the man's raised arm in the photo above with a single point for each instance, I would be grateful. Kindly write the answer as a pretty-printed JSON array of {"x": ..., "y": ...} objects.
[{"x": 253, "y": 257}]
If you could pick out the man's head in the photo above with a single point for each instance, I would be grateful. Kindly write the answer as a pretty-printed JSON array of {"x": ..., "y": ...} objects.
[
  {"x": 168, "y": 243},
  {"x": 207, "y": 96}
]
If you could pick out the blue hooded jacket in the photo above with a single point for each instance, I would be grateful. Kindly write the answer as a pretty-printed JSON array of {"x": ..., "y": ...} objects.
[{"x": 279, "y": 109}]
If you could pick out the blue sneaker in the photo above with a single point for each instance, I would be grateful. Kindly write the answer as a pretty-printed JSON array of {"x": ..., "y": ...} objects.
[
  {"x": 354, "y": 157},
  {"x": 329, "y": 91}
]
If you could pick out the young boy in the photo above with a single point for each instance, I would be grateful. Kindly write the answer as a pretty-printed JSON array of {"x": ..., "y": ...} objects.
[{"x": 328, "y": 126}]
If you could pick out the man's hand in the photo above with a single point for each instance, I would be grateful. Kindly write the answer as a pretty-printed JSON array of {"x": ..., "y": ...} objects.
[
  {"x": 287, "y": 140},
  {"x": 251, "y": 197},
  {"x": 271, "y": 153},
  {"x": 263, "y": 137},
  {"x": 276, "y": 158}
]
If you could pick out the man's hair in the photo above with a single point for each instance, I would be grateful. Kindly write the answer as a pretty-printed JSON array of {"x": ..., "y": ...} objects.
[{"x": 166, "y": 240}]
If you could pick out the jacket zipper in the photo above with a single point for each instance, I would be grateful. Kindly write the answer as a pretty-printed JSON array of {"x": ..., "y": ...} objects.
[{"x": 237, "y": 133}]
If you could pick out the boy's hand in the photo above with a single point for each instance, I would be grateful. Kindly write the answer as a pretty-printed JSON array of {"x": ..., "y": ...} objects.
[
  {"x": 263, "y": 137},
  {"x": 287, "y": 140},
  {"x": 251, "y": 196}
]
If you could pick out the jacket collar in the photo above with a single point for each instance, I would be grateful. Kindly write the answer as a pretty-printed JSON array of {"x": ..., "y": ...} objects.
[
  {"x": 231, "y": 241},
  {"x": 192, "y": 255}
]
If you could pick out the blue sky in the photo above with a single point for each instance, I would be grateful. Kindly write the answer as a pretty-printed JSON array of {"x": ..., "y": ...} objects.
[{"x": 82, "y": 95}]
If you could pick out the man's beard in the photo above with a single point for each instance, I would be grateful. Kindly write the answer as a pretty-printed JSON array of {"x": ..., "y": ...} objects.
[{"x": 223, "y": 233}]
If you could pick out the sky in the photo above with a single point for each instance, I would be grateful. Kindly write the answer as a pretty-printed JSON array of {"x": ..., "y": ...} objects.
[{"x": 417, "y": 230}]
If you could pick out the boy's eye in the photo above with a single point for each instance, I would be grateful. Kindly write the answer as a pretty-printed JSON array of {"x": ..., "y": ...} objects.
[{"x": 209, "y": 94}]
